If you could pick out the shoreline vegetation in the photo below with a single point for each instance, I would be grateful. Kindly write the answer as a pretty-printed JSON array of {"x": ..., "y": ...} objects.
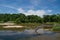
[{"x": 28, "y": 22}]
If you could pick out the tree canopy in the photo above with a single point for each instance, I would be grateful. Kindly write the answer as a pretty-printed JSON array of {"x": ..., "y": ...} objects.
[{"x": 21, "y": 18}]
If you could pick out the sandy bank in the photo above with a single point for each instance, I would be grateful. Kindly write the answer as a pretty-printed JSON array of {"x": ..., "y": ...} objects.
[{"x": 13, "y": 26}]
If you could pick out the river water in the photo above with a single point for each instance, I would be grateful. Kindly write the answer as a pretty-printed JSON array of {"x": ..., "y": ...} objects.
[{"x": 28, "y": 35}]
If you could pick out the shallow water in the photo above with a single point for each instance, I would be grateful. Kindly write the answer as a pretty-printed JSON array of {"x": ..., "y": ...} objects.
[{"x": 28, "y": 35}]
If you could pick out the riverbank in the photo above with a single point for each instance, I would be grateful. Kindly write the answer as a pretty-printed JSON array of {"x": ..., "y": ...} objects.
[
  {"x": 23, "y": 26},
  {"x": 18, "y": 27}
]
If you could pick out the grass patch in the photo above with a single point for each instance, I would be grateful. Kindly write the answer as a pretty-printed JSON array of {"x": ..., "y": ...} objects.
[{"x": 56, "y": 29}]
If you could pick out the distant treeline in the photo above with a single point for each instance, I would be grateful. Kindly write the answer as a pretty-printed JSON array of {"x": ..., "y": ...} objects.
[{"x": 21, "y": 18}]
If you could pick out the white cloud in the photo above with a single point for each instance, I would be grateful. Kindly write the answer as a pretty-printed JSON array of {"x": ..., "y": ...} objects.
[
  {"x": 49, "y": 10},
  {"x": 20, "y": 10},
  {"x": 34, "y": 12}
]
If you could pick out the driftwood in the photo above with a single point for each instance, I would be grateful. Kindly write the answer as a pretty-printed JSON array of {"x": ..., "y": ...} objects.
[{"x": 42, "y": 26}]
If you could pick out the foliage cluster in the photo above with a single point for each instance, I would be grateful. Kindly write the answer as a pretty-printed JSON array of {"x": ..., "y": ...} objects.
[{"x": 21, "y": 18}]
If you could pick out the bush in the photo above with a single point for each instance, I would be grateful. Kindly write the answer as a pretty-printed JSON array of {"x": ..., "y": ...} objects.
[{"x": 57, "y": 29}]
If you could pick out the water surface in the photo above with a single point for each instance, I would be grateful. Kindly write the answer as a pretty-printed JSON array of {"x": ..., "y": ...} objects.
[{"x": 28, "y": 35}]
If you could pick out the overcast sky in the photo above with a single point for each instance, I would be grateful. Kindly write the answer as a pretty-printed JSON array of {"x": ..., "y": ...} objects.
[{"x": 28, "y": 7}]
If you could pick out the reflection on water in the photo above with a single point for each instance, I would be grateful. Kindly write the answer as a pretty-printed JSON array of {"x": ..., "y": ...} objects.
[{"x": 28, "y": 35}]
